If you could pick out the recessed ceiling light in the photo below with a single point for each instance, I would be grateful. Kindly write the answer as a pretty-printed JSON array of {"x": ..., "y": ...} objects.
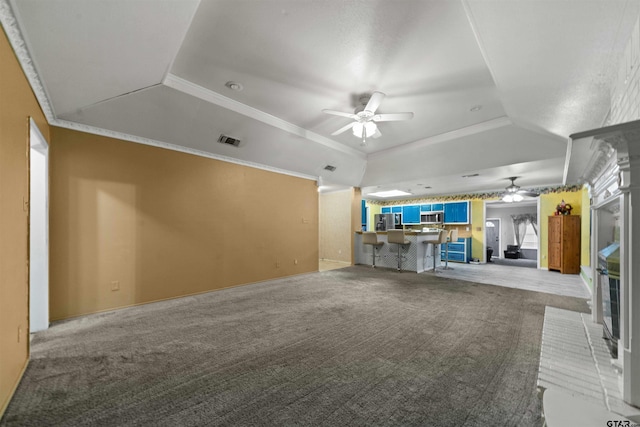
[
  {"x": 390, "y": 193},
  {"x": 233, "y": 86},
  {"x": 475, "y": 108}
]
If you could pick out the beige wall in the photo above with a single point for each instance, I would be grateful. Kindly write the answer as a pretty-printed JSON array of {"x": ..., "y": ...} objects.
[
  {"x": 17, "y": 104},
  {"x": 161, "y": 224},
  {"x": 336, "y": 224}
]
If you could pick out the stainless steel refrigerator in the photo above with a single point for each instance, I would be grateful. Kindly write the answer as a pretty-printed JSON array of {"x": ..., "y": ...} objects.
[{"x": 384, "y": 222}]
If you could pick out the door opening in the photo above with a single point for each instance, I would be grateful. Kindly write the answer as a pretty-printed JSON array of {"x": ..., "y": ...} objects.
[
  {"x": 38, "y": 230},
  {"x": 493, "y": 237}
]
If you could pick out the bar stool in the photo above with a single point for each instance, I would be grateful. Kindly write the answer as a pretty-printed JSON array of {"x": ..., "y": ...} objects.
[
  {"x": 452, "y": 238},
  {"x": 396, "y": 237},
  {"x": 371, "y": 238},
  {"x": 442, "y": 238}
]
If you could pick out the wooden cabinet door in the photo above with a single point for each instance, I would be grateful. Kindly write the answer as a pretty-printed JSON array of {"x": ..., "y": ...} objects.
[
  {"x": 554, "y": 256},
  {"x": 563, "y": 249}
]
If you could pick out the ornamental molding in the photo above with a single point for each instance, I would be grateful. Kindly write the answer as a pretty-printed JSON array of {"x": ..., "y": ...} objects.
[{"x": 598, "y": 163}]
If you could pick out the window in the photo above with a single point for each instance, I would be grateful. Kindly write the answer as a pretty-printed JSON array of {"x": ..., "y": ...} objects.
[{"x": 530, "y": 240}]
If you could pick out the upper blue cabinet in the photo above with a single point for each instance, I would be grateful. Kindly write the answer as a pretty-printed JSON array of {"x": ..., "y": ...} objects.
[
  {"x": 436, "y": 207},
  {"x": 411, "y": 214},
  {"x": 456, "y": 212},
  {"x": 386, "y": 209},
  {"x": 425, "y": 208},
  {"x": 396, "y": 209}
]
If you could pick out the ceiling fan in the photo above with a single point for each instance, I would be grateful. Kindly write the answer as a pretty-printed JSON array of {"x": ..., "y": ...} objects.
[
  {"x": 514, "y": 194},
  {"x": 365, "y": 117}
]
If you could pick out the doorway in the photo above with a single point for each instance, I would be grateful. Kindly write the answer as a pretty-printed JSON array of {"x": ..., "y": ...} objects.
[
  {"x": 493, "y": 227},
  {"x": 38, "y": 230}
]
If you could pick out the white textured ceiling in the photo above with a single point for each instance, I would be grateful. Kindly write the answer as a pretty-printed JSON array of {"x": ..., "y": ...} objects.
[{"x": 156, "y": 69}]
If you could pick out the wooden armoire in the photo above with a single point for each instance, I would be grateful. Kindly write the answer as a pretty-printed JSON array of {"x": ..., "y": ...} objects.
[{"x": 564, "y": 243}]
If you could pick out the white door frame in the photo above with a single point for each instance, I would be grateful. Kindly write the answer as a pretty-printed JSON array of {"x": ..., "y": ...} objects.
[{"x": 38, "y": 230}]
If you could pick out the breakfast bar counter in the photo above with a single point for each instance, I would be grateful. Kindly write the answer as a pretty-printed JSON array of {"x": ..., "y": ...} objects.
[{"x": 417, "y": 255}]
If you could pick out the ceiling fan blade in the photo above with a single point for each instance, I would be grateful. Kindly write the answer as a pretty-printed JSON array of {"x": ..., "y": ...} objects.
[
  {"x": 376, "y": 134},
  {"x": 392, "y": 117},
  {"x": 528, "y": 193},
  {"x": 344, "y": 128},
  {"x": 340, "y": 113},
  {"x": 374, "y": 101}
]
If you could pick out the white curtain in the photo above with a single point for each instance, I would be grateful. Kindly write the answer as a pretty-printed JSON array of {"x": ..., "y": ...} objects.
[{"x": 520, "y": 226}]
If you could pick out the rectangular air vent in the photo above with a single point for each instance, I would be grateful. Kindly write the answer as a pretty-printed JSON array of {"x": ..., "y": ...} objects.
[
  {"x": 224, "y": 139},
  {"x": 330, "y": 168}
]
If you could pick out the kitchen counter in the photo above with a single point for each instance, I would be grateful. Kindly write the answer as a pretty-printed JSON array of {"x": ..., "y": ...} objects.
[{"x": 419, "y": 255}]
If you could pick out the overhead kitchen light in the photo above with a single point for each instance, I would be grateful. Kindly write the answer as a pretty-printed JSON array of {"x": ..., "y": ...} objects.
[{"x": 390, "y": 193}]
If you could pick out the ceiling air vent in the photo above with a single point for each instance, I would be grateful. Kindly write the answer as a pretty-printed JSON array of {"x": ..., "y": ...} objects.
[
  {"x": 224, "y": 139},
  {"x": 329, "y": 168}
]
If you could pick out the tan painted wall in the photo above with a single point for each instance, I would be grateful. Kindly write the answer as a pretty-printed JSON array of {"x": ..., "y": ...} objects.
[
  {"x": 17, "y": 104},
  {"x": 164, "y": 224},
  {"x": 336, "y": 236}
]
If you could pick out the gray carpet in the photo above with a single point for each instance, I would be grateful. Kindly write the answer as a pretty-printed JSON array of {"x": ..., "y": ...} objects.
[{"x": 354, "y": 346}]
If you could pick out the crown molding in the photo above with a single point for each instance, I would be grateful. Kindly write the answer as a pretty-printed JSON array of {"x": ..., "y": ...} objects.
[
  {"x": 159, "y": 144},
  {"x": 11, "y": 28},
  {"x": 19, "y": 45}
]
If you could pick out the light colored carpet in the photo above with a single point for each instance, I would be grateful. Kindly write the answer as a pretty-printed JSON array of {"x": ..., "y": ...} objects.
[{"x": 353, "y": 346}]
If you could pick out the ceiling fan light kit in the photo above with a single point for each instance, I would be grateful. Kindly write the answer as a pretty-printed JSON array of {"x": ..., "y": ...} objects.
[
  {"x": 365, "y": 118},
  {"x": 369, "y": 128},
  {"x": 514, "y": 194}
]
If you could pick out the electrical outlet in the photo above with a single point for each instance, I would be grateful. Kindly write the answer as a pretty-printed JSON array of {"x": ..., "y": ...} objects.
[
  {"x": 295, "y": 262},
  {"x": 19, "y": 333},
  {"x": 115, "y": 285}
]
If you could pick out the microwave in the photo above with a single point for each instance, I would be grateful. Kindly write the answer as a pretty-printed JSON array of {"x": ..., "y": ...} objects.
[{"x": 431, "y": 217}]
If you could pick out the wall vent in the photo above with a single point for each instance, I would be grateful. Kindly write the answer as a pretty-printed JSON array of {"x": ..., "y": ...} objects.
[
  {"x": 330, "y": 168},
  {"x": 224, "y": 139}
]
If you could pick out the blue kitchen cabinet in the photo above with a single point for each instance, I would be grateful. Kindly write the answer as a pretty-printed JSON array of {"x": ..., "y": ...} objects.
[
  {"x": 411, "y": 214},
  {"x": 386, "y": 209},
  {"x": 456, "y": 212},
  {"x": 425, "y": 208},
  {"x": 363, "y": 214},
  {"x": 459, "y": 251},
  {"x": 436, "y": 207},
  {"x": 396, "y": 209}
]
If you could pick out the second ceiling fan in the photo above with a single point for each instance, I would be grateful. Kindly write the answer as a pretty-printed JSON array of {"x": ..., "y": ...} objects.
[
  {"x": 365, "y": 117},
  {"x": 513, "y": 193}
]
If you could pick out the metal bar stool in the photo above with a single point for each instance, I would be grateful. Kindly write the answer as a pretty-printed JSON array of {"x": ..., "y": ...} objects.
[
  {"x": 452, "y": 238},
  {"x": 396, "y": 237},
  {"x": 371, "y": 238}
]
